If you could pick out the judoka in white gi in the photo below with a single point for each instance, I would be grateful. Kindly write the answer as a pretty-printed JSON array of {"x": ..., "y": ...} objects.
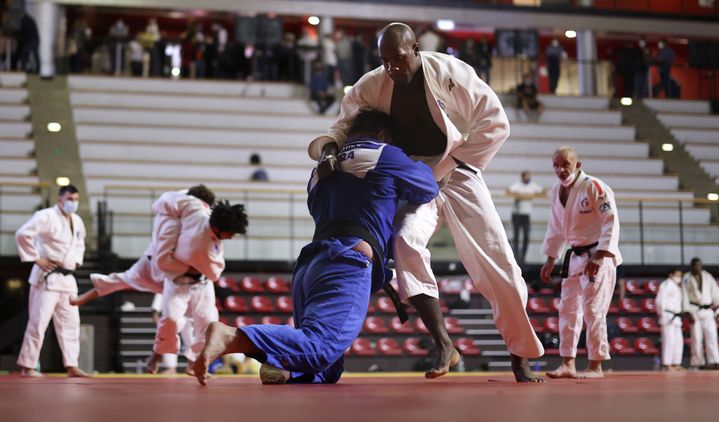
[
  {"x": 54, "y": 239},
  {"x": 669, "y": 313},
  {"x": 169, "y": 360},
  {"x": 139, "y": 277},
  {"x": 444, "y": 115},
  {"x": 584, "y": 216},
  {"x": 189, "y": 256},
  {"x": 700, "y": 295}
]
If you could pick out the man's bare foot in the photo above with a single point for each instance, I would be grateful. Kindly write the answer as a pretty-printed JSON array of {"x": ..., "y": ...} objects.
[
  {"x": 30, "y": 373},
  {"x": 189, "y": 371},
  {"x": 591, "y": 374},
  {"x": 446, "y": 359},
  {"x": 75, "y": 372},
  {"x": 271, "y": 375},
  {"x": 153, "y": 363},
  {"x": 84, "y": 298},
  {"x": 679, "y": 368},
  {"x": 522, "y": 373},
  {"x": 217, "y": 340},
  {"x": 564, "y": 371}
]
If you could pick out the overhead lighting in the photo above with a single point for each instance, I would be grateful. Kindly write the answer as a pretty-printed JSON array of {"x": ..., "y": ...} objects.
[
  {"x": 62, "y": 181},
  {"x": 445, "y": 25},
  {"x": 175, "y": 71},
  {"x": 626, "y": 101},
  {"x": 54, "y": 127},
  {"x": 713, "y": 196},
  {"x": 570, "y": 34},
  {"x": 667, "y": 147},
  {"x": 313, "y": 20}
]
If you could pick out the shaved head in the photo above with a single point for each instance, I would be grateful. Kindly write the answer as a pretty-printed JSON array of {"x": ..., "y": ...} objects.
[
  {"x": 566, "y": 163},
  {"x": 398, "y": 33},
  {"x": 399, "y": 52},
  {"x": 568, "y": 153}
]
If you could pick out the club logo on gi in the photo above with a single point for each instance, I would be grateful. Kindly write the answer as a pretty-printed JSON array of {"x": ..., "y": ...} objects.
[
  {"x": 605, "y": 207},
  {"x": 584, "y": 206}
]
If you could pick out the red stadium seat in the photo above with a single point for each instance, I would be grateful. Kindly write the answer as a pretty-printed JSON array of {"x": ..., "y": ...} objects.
[
  {"x": 363, "y": 347},
  {"x": 635, "y": 287},
  {"x": 450, "y": 286},
  {"x": 385, "y": 305},
  {"x": 453, "y": 326},
  {"x": 419, "y": 326},
  {"x": 399, "y": 328},
  {"x": 536, "y": 305},
  {"x": 551, "y": 324},
  {"x": 613, "y": 307},
  {"x": 284, "y": 304},
  {"x": 555, "y": 304},
  {"x": 251, "y": 285},
  {"x": 645, "y": 346},
  {"x": 628, "y": 305},
  {"x": 236, "y": 304},
  {"x": 218, "y": 305},
  {"x": 649, "y": 325},
  {"x": 276, "y": 284},
  {"x": 538, "y": 328},
  {"x": 262, "y": 304},
  {"x": 626, "y": 325},
  {"x": 375, "y": 325},
  {"x": 443, "y": 306},
  {"x": 225, "y": 320},
  {"x": 411, "y": 347},
  {"x": 467, "y": 347},
  {"x": 649, "y": 305},
  {"x": 243, "y": 321},
  {"x": 389, "y": 347},
  {"x": 621, "y": 346},
  {"x": 547, "y": 291},
  {"x": 274, "y": 320},
  {"x": 226, "y": 282},
  {"x": 371, "y": 308},
  {"x": 653, "y": 286}
]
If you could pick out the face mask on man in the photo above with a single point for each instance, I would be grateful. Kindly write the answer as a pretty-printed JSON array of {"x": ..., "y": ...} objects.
[
  {"x": 677, "y": 279},
  {"x": 70, "y": 206},
  {"x": 569, "y": 180}
]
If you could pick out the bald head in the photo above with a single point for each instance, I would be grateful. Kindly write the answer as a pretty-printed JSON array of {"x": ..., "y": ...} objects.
[
  {"x": 566, "y": 164},
  {"x": 399, "y": 52},
  {"x": 568, "y": 153}
]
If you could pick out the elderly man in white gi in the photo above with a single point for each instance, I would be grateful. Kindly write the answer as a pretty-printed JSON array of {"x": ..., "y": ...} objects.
[
  {"x": 669, "y": 313},
  {"x": 700, "y": 295},
  {"x": 54, "y": 239},
  {"x": 444, "y": 115},
  {"x": 584, "y": 216}
]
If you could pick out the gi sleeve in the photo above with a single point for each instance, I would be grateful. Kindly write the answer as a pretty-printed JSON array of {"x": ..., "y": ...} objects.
[
  {"x": 659, "y": 301},
  {"x": 80, "y": 241},
  {"x": 413, "y": 179},
  {"x": 606, "y": 209},
  {"x": 26, "y": 235},
  {"x": 553, "y": 239},
  {"x": 686, "y": 303},
  {"x": 165, "y": 236}
]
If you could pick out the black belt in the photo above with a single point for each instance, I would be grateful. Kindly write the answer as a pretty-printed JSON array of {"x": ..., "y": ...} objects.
[
  {"x": 334, "y": 228},
  {"x": 576, "y": 250},
  {"x": 675, "y": 315},
  {"x": 701, "y": 306},
  {"x": 464, "y": 166},
  {"x": 60, "y": 270}
]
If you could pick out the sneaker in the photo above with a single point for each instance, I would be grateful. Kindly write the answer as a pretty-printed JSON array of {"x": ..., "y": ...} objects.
[{"x": 270, "y": 375}]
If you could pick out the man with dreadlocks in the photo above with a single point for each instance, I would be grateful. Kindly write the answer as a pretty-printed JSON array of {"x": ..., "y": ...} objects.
[{"x": 188, "y": 256}]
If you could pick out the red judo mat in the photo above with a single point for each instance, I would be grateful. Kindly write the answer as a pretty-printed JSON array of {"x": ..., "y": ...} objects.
[{"x": 692, "y": 396}]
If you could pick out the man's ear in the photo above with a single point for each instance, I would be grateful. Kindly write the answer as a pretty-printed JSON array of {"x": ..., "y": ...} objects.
[
  {"x": 415, "y": 47},
  {"x": 579, "y": 164}
]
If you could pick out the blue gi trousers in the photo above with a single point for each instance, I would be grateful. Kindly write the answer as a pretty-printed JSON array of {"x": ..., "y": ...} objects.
[{"x": 330, "y": 290}]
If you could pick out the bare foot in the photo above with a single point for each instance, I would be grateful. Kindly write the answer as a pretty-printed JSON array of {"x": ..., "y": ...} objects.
[
  {"x": 564, "y": 371},
  {"x": 678, "y": 368},
  {"x": 522, "y": 373},
  {"x": 217, "y": 339},
  {"x": 591, "y": 374},
  {"x": 270, "y": 375},
  {"x": 30, "y": 373},
  {"x": 75, "y": 372},
  {"x": 153, "y": 363},
  {"x": 189, "y": 371},
  {"x": 445, "y": 360},
  {"x": 84, "y": 298}
]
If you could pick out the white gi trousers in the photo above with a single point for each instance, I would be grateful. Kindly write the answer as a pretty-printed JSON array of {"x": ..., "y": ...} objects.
[
  {"x": 588, "y": 302},
  {"x": 197, "y": 301},
  {"x": 138, "y": 277},
  {"x": 465, "y": 205},
  {"x": 45, "y": 305},
  {"x": 672, "y": 343},
  {"x": 704, "y": 333}
]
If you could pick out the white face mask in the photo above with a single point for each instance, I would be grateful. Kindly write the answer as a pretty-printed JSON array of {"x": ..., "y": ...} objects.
[
  {"x": 570, "y": 179},
  {"x": 677, "y": 279},
  {"x": 70, "y": 206}
]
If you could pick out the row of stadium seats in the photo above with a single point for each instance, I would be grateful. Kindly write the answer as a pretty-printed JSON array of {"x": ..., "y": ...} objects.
[
  {"x": 626, "y": 325},
  {"x": 538, "y": 305},
  {"x": 389, "y": 346}
]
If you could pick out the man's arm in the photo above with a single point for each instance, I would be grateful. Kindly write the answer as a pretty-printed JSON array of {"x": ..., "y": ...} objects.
[
  {"x": 553, "y": 243},
  {"x": 608, "y": 243},
  {"x": 25, "y": 238}
]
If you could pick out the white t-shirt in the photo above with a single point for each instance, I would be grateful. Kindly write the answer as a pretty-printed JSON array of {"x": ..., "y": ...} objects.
[{"x": 524, "y": 206}]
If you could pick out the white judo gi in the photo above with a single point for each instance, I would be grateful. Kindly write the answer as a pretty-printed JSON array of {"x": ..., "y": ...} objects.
[
  {"x": 669, "y": 309},
  {"x": 138, "y": 277},
  {"x": 704, "y": 329},
  {"x": 473, "y": 119},
  {"x": 169, "y": 360},
  {"x": 590, "y": 216},
  {"x": 49, "y": 235},
  {"x": 183, "y": 240}
]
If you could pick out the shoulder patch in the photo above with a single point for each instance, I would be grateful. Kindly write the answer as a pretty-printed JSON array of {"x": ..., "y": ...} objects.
[
  {"x": 605, "y": 207},
  {"x": 599, "y": 188}
]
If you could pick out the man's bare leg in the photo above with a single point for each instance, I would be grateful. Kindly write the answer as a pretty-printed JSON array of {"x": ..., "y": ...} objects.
[
  {"x": 89, "y": 295},
  {"x": 567, "y": 369},
  {"x": 75, "y": 372},
  {"x": 594, "y": 370},
  {"x": 522, "y": 373},
  {"x": 431, "y": 314},
  {"x": 220, "y": 340},
  {"x": 153, "y": 363},
  {"x": 30, "y": 373}
]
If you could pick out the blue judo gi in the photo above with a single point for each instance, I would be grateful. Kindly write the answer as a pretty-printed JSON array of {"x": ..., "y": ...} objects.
[{"x": 332, "y": 282}]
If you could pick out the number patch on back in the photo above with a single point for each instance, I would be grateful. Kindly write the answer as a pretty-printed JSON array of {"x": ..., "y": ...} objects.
[{"x": 346, "y": 156}]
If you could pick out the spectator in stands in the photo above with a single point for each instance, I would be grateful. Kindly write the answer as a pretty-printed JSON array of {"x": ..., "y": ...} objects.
[
  {"x": 583, "y": 214},
  {"x": 664, "y": 61},
  {"x": 523, "y": 191},
  {"x": 136, "y": 53},
  {"x": 359, "y": 57},
  {"x": 78, "y": 42},
  {"x": 329, "y": 57},
  {"x": 669, "y": 311},
  {"x": 484, "y": 57},
  {"x": 54, "y": 240},
  {"x": 287, "y": 61},
  {"x": 626, "y": 66},
  {"x": 259, "y": 174},
  {"x": 468, "y": 54},
  {"x": 27, "y": 57},
  {"x": 527, "y": 98},
  {"x": 641, "y": 75},
  {"x": 555, "y": 54},
  {"x": 336, "y": 273},
  {"x": 118, "y": 36},
  {"x": 700, "y": 297},
  {"x": 308, "y": 49},
  {"x": 321, "y": 91},
  {"x": 344, "y": 57}
]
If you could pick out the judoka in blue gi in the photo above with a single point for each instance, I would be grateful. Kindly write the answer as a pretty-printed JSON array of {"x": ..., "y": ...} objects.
[{"x": 334, "y": 275}]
